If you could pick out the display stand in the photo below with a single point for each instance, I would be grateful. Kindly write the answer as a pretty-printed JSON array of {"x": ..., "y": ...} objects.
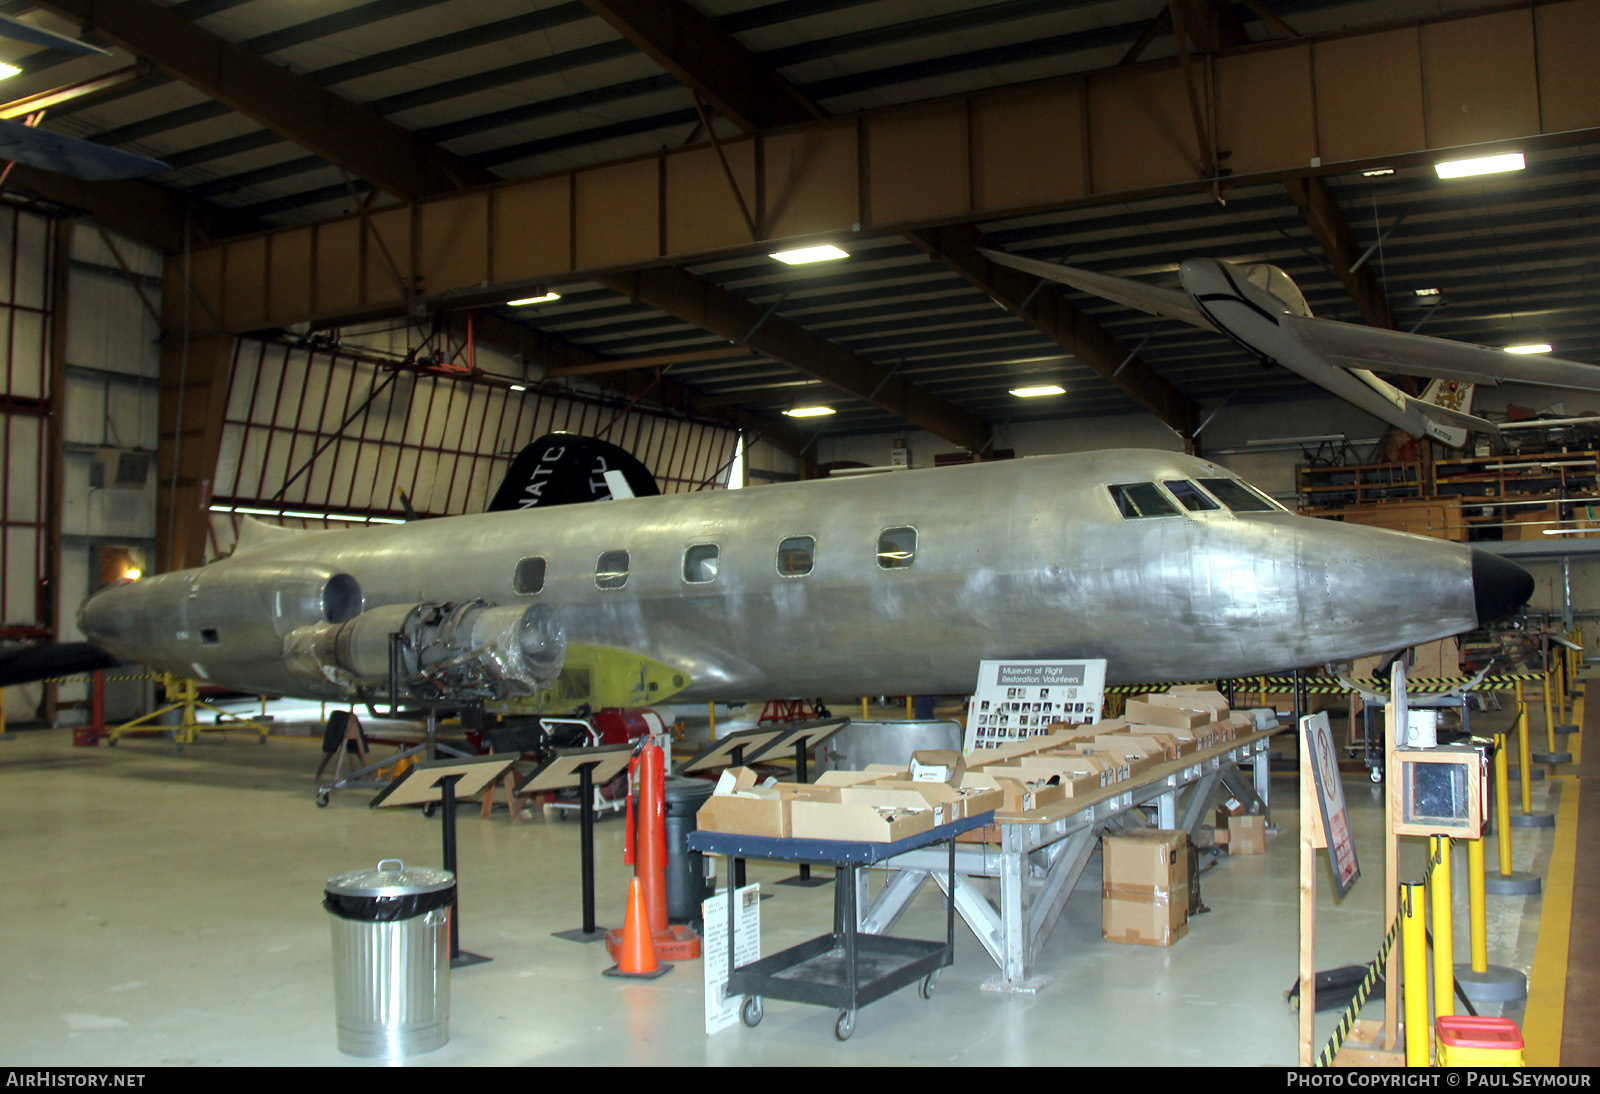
[
  {"x": 583, "y": 768},
  {"x": 803, "y": 738},
  {"x": 427, "y": 748},
  {"x": 438, "y": 782},
  {"x": 735, "y": 750}
]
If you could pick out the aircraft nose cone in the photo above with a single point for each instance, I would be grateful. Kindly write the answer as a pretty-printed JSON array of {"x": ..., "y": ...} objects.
[{"x": 1499, "y": 587}]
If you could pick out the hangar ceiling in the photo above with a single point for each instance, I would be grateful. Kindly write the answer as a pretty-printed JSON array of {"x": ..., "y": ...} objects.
[{"x": 271, "y": 120}]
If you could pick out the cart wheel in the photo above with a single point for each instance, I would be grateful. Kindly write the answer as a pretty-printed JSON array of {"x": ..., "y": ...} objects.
[
  {"x": 929, "y": 982},
  {"x": 846, "y": 1025},
  {"x": 427, "y": 810},
  {"x": 1377, "y": 775},
  {"x": 322, "y": 800},
  {"x": 750, "y": 1011}
]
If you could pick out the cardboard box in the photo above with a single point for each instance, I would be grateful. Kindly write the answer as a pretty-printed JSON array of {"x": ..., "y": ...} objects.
[
  {"x": 958, "y": 803},
  {"x": 1154, "y": 741},
  {"x": 852, "y": 821},
  {"x": 1143, "y": 712},
  {"x": 891, "y": 797},
  {"x": 1072, "y": 785},
  {"x": 1144, "y": 923},
  {"x": 1019, "y": 795},
  {"x": 1247, "y": 835},
  {"x": 1137, "y": 757},
  {"x": 1115, "y": 763},
  {"x": 1144, "y": 862},
  {"x": 757, "y": 811},
  {"x": 1207, "y": 701},
  {"x": 940, "y": 765},
  {"x": 1080, "y": 763},
  {"x": 845, "y": 778}
]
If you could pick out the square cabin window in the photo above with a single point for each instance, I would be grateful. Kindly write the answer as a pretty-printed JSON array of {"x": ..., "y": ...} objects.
[
  {"x": 700, "y": 563},
  {"x": 897, "y": 548},
  {"x": 1190, "y": 496},
  {"x": 611, "y": 570},
  {"x": 1141, "y": 499},
  {"x": 530, "y": 576},
  {"x": 796, "y": 556}
]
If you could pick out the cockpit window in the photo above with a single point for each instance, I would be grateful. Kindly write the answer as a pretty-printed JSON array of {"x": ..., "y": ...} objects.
[
  {"x": 1190, "y": 496},
  {"x": 1141, "y": 499},
  {"x": 1239, "y": 496}
]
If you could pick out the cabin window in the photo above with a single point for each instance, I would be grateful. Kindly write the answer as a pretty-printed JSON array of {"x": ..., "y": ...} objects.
[
  {"x": 897, "y": 548},
  {"x": 1190, "y": 496},
  {"x": 611, "y": 571},
  {"x": 1239, "y": 496},
  {"x": 700, "y": 563},
  {"x": 1141, "y": 499},
  {"x": 530, "y": 576},
  {"x": 796, "y": 556}
]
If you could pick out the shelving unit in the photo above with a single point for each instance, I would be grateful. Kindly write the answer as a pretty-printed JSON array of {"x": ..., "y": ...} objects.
[
  {"x": 1519, "y": 497},
  {"x": 1330, "y": 488}
]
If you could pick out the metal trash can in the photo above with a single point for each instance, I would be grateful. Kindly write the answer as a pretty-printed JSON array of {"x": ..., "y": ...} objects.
[
  {"x": 391, "y": 958},
  {"x": 687, "y": 885}
]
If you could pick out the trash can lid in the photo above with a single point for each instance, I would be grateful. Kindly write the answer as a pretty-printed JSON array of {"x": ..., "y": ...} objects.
[{"x": 391, "y": 878}]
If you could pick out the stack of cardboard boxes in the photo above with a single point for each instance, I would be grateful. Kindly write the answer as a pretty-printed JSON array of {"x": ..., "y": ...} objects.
[{"x": 1145, "y": 886}]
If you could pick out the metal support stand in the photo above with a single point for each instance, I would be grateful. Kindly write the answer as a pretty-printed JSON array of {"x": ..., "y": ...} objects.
[
  {"x": 459, "y": 958},
  {"x": 589, "y": 932}
]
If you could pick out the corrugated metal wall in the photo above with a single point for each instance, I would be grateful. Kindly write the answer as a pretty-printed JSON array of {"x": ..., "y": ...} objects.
[
  {"x": 25, "y": 265},
  {"x": 342, "y": 432}
]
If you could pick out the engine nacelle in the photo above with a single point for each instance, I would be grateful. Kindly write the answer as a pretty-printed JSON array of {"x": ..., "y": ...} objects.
[{"x": 471, "y": 650}]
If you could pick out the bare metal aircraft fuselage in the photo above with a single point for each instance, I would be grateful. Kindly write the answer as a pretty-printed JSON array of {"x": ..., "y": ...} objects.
[{"x": 1015, "y": 559}]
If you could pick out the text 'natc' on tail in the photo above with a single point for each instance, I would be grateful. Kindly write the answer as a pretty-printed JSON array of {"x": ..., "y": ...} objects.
[{"x": 564, "y": 468}]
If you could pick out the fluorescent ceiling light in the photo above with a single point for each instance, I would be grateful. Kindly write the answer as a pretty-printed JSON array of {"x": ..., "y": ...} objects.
[
  {"x": 1567, "y": 531},
  {"x": 1427, "y": 292},
  {"x": 545, "y": 299},
  {"x": 7, "y": 71},
  {"x": 1377, "y": 172},
  {"x": 1482, "y": 165},
  {"x": 825, "y": 253},
  {"x": 1037, "y": 390},
  {"x": 809, "y": 411},
  {"x": 1531, "y": 347},
  {"x": 519, "y": 387}
]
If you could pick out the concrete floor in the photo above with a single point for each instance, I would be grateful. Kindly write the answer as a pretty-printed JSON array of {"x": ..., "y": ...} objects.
[{"x": 165, "y": 909}]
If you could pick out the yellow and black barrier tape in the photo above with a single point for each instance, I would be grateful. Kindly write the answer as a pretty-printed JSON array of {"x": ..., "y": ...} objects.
[
  {"x": 109, "y": 677},
  {"x": 1347, "y": 1020},
  {"x": 1322, "y": 685}
]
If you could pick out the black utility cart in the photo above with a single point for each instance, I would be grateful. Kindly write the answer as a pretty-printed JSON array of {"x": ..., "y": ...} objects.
[{"x": 846, "y": 969}]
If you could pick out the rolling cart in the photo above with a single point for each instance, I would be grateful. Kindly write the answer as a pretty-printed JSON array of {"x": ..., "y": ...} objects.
[{"x": 846, "y": 969}]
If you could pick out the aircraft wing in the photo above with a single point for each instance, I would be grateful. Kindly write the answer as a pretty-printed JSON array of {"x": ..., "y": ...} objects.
[
  {"x": 1172, "y": 303},
  {"x": 1356, "y": 346},
  {"x": 70, "y": 156}
]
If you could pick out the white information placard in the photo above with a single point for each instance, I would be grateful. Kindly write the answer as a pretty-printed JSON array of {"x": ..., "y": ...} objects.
[
  {"x": 722, "y": 1013},
  {"x": 1017, "y": 699}
]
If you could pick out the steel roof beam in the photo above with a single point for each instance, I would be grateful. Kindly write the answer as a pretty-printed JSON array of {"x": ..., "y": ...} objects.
[
  {"x": 1048, "y": 311},
  {"x": 379, "y": 151},
  {"x": 1321, "y": 212},
  {"x": 696, "y": 300}
]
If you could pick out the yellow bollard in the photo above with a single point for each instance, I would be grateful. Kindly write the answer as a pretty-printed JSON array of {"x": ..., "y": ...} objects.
[
  {"x": 1524, "y": 752},
  {"x": 1475, "y": 906},
  {"x": 1502, "y": 802},
  {"x": 713, "y": 707},
  {"x": 1549, "y": 718},
  {"x": 1444, "y": 953},
  {"x": 1414, "y": 974},
  {"x": 908, "y": 708},
  {"x": 863, "y": 708}
]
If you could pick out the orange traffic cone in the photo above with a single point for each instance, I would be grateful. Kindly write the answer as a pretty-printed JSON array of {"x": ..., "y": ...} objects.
[{"x": 636, "y": 954}]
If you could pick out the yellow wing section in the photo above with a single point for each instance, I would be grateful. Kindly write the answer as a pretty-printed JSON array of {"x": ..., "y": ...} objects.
[{"x": 604, "y": 676}]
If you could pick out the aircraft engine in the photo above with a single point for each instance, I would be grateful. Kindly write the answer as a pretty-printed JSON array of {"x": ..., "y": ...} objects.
[{"x": 470, "y": 650}]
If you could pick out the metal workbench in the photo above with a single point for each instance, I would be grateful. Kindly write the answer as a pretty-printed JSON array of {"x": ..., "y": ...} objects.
[
  {"x": 1042, "y": 854},
  {"x": 851, "y": 967}
]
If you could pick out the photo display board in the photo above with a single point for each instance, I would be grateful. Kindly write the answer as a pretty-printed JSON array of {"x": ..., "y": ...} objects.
[{"x": 1018, "y": 699}]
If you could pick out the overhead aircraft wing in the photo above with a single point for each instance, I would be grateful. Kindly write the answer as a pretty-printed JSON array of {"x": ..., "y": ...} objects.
[
  {"x": 70, "y": 156},
  {"x": 1356, "y": 346},
  {"x": 1172, "y": 303},
  {"x": 23, "y": 32}
]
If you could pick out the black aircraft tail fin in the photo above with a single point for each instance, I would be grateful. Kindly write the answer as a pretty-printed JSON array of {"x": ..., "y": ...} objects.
[
  {"x": 32, "y": 663},
  {"x": 562, "y": 468}
]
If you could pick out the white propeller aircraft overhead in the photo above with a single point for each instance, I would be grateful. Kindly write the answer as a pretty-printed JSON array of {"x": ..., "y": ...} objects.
[{"x": 1260, "y": 307}]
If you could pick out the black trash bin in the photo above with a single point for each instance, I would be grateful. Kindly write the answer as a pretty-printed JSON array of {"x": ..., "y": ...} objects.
[{"x": 686, "y": 876}]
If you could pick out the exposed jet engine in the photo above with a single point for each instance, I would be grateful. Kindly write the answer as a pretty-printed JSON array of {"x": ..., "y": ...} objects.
[{"x": 434, "y": 651}]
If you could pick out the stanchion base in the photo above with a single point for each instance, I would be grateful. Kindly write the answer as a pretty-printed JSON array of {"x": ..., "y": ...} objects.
[
  {"x": 1496, "y": 984},
  {"x": 616, "y": 971},
  {"x": 1516, "y": 883},
  {"x": 463, "y": 959},
  {"x": 1514, "y": 775},
  {"x": 677, "y": 942},
  {"x": 808, "y": 882},
  {"x": 1552, "y": 757},
  {"x": 1566, "y": 729},
  {"x": 1027, "y": 986},
  {"x": 1533, "y": 820},
  {"x": 578, "y": 934}
]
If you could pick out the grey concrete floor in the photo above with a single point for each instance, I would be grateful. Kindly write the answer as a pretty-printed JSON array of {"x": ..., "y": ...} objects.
[{"x": 165, "y": 909}]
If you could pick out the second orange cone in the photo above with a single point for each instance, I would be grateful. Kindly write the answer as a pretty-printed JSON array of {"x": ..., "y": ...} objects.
[{"x": 636, "y": 954}]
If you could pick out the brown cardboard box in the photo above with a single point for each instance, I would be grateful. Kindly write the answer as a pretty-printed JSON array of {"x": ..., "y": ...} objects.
[
  {"x": 751, "y": 816},
  {"x": 1142, "y": 712},
  {"x": 1116, "y": 764},
  {"x": 1145, "y": 861},
  {"x": 948, "y": 802},
  {"x": 1081, "y": 763},
  {"x": 845, "y": 778},
  {"x": 1030, "y": 770},
  {"x": 851, "y": 821},
  {"x": 1145, "y": 922},
  {"x": 1208, "y": 701},
  {"x": 1247, "y": 835},
  {"x": 1137, "y": 757},
  {"x": 1157, "y": 741},
  {"x": 1018, "y": 794},
  {"x": 891, "y": 797}
]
